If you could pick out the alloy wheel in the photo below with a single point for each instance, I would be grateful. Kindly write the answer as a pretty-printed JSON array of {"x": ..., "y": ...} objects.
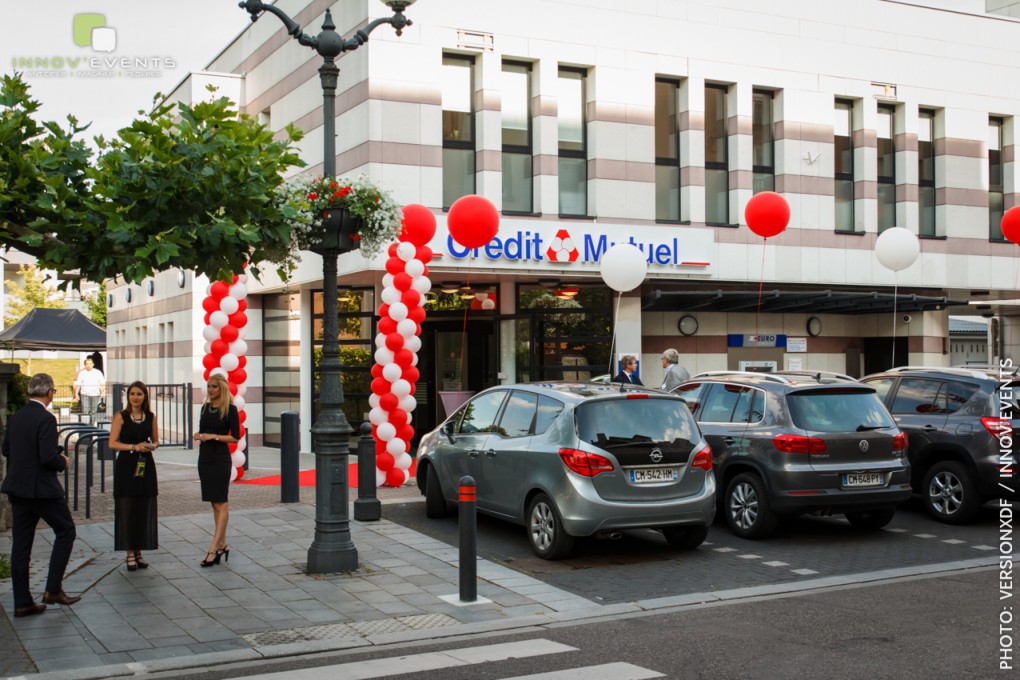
[
  {"x": 543, "y": 528},
  {"x": 743, "y": 505},
  {"x": 946, "y": 492}
]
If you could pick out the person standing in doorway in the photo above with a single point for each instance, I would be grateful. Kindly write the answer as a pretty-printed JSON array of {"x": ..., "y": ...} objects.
[
  {"x": 675, "y": 374},
  {"x": 628, "y": 374},
  {"x": 90, "y": 389},
  {"x": 218, "y": 426},
  {"x": 33, "y": 461}
]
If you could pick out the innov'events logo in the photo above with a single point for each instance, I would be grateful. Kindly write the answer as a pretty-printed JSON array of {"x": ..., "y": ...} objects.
[{"x": 90, "y": 30}]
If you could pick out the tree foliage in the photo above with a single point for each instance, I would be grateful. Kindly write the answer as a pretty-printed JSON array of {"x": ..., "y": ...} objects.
[
  {"x": 185, "y": 186},
  {"x": 95, "y": 305},
  {"x": 34, "y": 292}
]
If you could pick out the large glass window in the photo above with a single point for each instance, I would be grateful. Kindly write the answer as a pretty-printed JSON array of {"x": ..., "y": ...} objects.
[
  {"x": 886, "y": 158},
  {"x": 926, "y": 172},
  {"x": 573, "y": 161},
  {"x": 717, "y": 182},
  {"x": 667, "y": 151},
  {"x": 763, "y": 142},
  {"x": 995, "y": 204},
  {"x": 356, "y": 323},
  {"x": 516, "y": 94},
  {"x": 844, "y": 165},
  {"x": 458, "y": 128},
  {"x": 563, "y": 333},
  {"x": 281, "y": 361}
]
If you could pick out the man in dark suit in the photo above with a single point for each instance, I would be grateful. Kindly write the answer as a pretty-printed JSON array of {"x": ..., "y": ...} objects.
[
  {"x": 629, "y": 365},
  {"x": 33, "y": 461}
]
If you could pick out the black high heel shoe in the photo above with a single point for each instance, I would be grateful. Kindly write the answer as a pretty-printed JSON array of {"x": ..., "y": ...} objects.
[
  {"x": 225, "y": 552},
  {"x": 142, "y": 564},
  {"x": 132, "y": 564},
  {"x": 207, "y": 562}
]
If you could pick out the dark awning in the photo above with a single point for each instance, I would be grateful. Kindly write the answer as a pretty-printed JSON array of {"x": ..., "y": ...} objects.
[
  {"x": 807, "y": 301},
  {"x": 54, "y": 329}
]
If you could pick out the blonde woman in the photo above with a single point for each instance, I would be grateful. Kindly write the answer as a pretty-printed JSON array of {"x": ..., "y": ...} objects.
[{"x": 218, "y": 426}]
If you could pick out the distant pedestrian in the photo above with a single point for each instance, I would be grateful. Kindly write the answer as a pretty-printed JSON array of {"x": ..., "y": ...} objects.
[
  {"x": 33, "y": 461},
  {"x": 218, "y": 426},
  {"x": 134, "y": 433},
  {"x": 676, "y": 374},
  {"x": 90, "y": 389},
  {"x": 628, "y": 374}
]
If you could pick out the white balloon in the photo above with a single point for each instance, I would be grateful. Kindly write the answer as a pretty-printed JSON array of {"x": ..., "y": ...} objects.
[
  {"x": 390, "y": 295},
  {"x": 398, "y": 311},
  {"x": 481, "y": 297},
  {"x": 218, "y": 319},
  {"x": 206, "y": 347},
  {"x": 380, "y": 340},
  {"x": 413, "y": 343},
  {"x": 373, "y": 400},
  {"x": 210, "y": 333},
  {"x": 392, "y": 372},
  {"x": 396, "y": 446},
  {"x": 387, "y": 280},
  {"x": 623, "y": 267},
  {"x": 242, "y": 278},
  {"x": 242, "y": 443},
  {"x": 401, "y": 388},
  {"x": 217, "y": 371},
  {"x": 242, "y": 389},
  {"x": 228, "y": 361},
  {"x": 380, "y": 477},
  {"x": 238, "y": 291},
  {"x": 383, "y": 356},
  {"x": 237, "y": 458},
  {"x": 897, "y": 248},
  {"x": 422, "y": 284},
  {"x": 208, "y": 289},
  {"x": 407, "y": 328},
  {"x": 414, "y": 359},
  {"x": 228, "y": 305},
  {"x": 233, "y": 473},
  {"x": 406, "y": 251},
  {"x": 403, "y": 462},
  {"x": 385, "y": 432},
  {"x": 377, "y": 416},
  {"x": 239, "y": 403},
  {"x": 414, "y": 268},
  {"x": 242, "y": 332},
  {"x": 239, "y": 347},
  {"x": 489, "y": 304},
  {"x": 407, "y": 403}
]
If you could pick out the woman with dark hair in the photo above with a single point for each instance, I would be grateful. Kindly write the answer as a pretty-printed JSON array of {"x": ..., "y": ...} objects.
[{"x": 135, "y": 435}]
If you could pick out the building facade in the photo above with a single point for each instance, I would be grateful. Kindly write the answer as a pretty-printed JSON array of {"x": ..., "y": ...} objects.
[{"x": 590, "y": 124}]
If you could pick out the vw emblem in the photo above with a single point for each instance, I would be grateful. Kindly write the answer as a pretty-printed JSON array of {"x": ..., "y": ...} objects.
[
  {"x": 863, "y": 445},
  {"x": 655, "y": 455}
]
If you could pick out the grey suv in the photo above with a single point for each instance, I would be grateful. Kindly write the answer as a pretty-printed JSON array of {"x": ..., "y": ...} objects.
[
  {"x": 954, "y": 418},
  {"x": 570, "y": 459},
  {"x": 787, "y": 444}
]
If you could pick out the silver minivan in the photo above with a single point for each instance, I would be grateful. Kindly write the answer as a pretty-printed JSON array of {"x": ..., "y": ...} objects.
[{"x": 575, "y": 459}]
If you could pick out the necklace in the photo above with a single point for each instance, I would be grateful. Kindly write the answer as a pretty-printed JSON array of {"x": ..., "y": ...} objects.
[{"x": 138, "y": 420}]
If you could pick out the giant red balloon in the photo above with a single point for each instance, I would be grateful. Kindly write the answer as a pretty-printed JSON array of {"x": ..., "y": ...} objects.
[
  {"x": 1011, "y": 224},
  {"x": 419, "y": 224},
  {"x": 472, "y": 221},
  {"x": 767, "y": 214}
]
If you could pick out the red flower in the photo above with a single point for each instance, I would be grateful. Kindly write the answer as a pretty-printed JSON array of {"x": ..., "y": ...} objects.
[
  {"x": 332, "y": 185},
  {"x": 343, "y": 191},
  {"x": 313, "y": 196}
]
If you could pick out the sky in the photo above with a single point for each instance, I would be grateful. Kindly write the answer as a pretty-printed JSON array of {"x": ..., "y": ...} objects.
[{"x": 65, "y": 49}]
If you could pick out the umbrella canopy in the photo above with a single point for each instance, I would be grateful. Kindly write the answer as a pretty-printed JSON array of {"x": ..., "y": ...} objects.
[{"x": 53, "y": 329}]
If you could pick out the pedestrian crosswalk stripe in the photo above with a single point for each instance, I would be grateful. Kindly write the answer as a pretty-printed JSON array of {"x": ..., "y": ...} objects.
[{"x": 609, "y": 671}]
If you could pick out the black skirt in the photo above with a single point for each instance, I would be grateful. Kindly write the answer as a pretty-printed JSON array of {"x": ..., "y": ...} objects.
[
  {"x": 134, "y": 523},
  {"x": 214, "y": 475}
]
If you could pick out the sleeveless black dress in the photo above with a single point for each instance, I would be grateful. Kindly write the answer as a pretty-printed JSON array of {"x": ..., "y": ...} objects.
[
  {"x": 135, "y": 524},
  {"x": 214, "y": 457}
]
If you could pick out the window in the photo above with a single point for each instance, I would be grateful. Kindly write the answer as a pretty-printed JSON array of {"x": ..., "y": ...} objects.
[
  {"x": 844, "y": 165},
  {"x": 692, "y": 394},
  {"x": 479, "y": 415},
  {"x": 573, "y": 165},
  {"x": 519, "y": 415},
  {"x": 917, "y": 395},
  {"x": 886, "y": 167},
  {"x": 458, "y": 128},
  {"x": 995, "y": 205},
  {"x": 763, "y": 144},
  {"x": 841, "y": 410},
  {"x": 720, "y": 404},
  {"x": 959, "y": 393},
  {"x": 357, "y": 331},
  {"x": 717, "y": 182},
  {"x": 926, "y": 172},
  {"x": 882, "y": 386},
  {"x": 667, "y": 151},
  {"x": 548, "y": 411},
  {"x": 750, "y": 406},
  {"x": 516, "y": 92}
]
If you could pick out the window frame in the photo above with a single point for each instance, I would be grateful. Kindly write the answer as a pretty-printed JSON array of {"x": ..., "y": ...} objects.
[
  {"x": 518, "y": 149},
  {"x": 924, "y": 228},
  {"x": 666, "y": 161},
  {"x": 768, "y": 170},
  {"x": 462, "y": 145},
  {"x": 723, "y": 165},
  {"x": 575, "y": 154},
  {"x": 846, "y": 176},
  {"x": 996, "y": 189},
  {"x": 886, "y": 181}
]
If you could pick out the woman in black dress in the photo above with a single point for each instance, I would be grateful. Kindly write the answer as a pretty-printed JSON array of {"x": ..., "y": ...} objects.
[
  {"x": 135, "y": 436},
  {"x": 218, "y": 426}
]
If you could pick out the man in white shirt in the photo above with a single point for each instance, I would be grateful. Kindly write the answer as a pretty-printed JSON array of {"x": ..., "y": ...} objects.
[{"x": 90, "y": 388}]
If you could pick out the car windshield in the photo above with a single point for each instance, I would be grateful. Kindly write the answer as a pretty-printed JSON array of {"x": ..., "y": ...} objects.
[
  {"x": 840, "y": 410},
  {"x": 614, "y": 423}
]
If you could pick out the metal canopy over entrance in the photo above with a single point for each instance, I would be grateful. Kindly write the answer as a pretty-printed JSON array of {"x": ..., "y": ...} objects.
[{"x": 813, "y": 301}]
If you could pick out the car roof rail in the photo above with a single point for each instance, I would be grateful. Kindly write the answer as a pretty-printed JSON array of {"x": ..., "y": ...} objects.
[
  {"x": 746, "y": 374},
  {"x": 818, "y": 375},
  {"x": 1004, "y": 370},
  {"x": 968, "y": 372}
]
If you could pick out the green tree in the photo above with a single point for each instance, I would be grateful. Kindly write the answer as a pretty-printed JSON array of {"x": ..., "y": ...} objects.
[
  {"x": 35, "y": 292},
  {"x": 187, "y": 186},
  {"x": 95, "y": 305}
]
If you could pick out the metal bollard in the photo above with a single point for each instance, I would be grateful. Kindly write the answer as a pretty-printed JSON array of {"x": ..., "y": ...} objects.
[
  {"x": 468, "y": 541},
  {"x": 290, "y": 444},
  {"x": 367, "y": 507}
]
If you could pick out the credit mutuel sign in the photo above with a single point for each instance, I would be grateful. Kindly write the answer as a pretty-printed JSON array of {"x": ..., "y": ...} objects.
[{"x": 578, "y": 246}]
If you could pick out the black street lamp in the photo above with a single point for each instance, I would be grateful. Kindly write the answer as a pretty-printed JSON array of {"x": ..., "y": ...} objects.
[{"x": 332, "y": 549}]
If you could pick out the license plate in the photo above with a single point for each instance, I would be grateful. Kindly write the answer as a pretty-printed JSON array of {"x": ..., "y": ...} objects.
[
  {"x": 864, "y": 479},
  {"x": 652, "y": 475}
]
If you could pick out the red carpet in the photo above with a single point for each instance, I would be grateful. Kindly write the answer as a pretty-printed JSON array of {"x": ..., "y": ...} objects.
[{"x": 307, "y": 477}]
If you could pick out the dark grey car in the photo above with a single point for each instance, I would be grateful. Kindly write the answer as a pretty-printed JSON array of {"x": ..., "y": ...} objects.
[
  {"x": 799, "y": 443},
  {"x": 571, "y": 459},
  {"x": 961, "y": 423}
]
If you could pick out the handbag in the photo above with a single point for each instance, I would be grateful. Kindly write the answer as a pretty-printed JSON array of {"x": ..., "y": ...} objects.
[{"x": 101, "y": 405}]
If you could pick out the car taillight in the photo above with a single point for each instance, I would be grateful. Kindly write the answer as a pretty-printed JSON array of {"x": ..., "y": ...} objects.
[
  {"x": 584, "y": 463},
  {"x": 703, "y": 459},
  {"x": 792, "y": 443},
  {"x": 999, "y": 427},
  {"x": 638, "y": 395},
  {"x": 899, "y": 442}
]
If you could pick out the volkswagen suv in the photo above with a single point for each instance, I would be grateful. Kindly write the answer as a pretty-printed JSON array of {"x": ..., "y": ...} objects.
[{"x": 788, "y": 444}]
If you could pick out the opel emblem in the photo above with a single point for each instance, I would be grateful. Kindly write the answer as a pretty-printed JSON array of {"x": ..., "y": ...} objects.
[
  {"x": 863, "y": 445},
  {"x": 656, "y": 455}
]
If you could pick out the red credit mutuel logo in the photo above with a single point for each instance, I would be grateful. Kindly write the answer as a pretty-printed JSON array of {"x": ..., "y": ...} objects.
[{"x": 562, "y": 248}]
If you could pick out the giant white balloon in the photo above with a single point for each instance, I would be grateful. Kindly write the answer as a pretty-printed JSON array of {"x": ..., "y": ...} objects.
[
  {"x": 897, "y": 248},
  {"x": 623, "y": 267}
]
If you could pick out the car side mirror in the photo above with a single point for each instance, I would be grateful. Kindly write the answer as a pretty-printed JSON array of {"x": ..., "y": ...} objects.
[{"x": 448, "y": 429}]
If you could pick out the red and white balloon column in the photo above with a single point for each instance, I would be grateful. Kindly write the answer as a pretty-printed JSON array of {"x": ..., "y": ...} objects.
[
  {"x": 397, "y": 343},
  {"x": 226, "y": 350}
]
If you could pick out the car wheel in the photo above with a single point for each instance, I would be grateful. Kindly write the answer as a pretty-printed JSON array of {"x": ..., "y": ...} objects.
[
  {"x": 871, "y": 519},
  {"x": 949, "y": 493},
  {"x": 685, "y": 538},
  {"x": 435, "y": 504},
  {"x": 746, "y": 507},
  {"x": 545, "y": 530}
]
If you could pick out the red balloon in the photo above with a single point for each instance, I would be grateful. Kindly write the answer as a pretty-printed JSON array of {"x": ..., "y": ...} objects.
[
  {"x": 398, "y": 418},
  {"x": 403, "y": 357},
  {"x": 392, "y": 250},
  {"x": 384, "y": 311},
  {"x": 411, "y": 298},
  {"x": 376, "y": 370},
  {"x": 407, "y": 434},
  {"x": 472, "y": 221},
  {"x": 388, "y": 402},
  {"x": 237, "y": 376},
  {"x": 232, "y": 447},
  {"x": 395, "y": 477},
  {"x": 210, "y": 305},
  {"x": 205, "y": 319},
  {"x": 416, "y": 314},
  {"x": 1011, "y": 224},
  {"x": 380, "y": 446},
  {"x": 402, "y": 281},
  {"x": 232, "y": 387},
  {"x": 411, "y": 374},
  {"x": 233, "y": 280},
  {"x": 242, "y": 361},
  {"x": 384, "y": 461},
  {"x": 242, "y": 305},
  {"x": 395, "y": 265},
  {"x": 218, "y": 348},
  {"x": 240, "y": 473},
  {"x": 228, "y": 333},
  {"x": 423, "y": 253},
  {"x": 237, "y": 320},
  {"x": 380, "y": 386},
  {"x": 242, "y": 416},
  {"x": 419, "y": 224},
  {"x": 394, "y": 341},
  {"x": 205, "y": 374},
  {"x": 210, "y": 361},
  {"x": 414, "y": 388},
  {"x": 767, "y": 214},
  {"x": 387, "y": 325},
  {"x": 219, "y": 290}
]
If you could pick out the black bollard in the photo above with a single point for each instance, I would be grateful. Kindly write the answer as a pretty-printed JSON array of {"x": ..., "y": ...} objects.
[
  {"x": 367, "y": 507},
  {"x": 290, "y": 447},
  {"x": 468, "y": 541}
]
